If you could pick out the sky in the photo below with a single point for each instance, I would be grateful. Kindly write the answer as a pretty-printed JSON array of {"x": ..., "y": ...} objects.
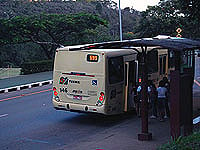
[{"x": 139, "y": 5}]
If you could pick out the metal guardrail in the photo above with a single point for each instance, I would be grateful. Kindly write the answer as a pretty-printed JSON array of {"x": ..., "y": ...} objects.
[{"x": 25, "y": 86}]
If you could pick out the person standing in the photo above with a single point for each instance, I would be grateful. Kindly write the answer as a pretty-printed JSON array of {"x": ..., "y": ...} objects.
[
  {"x": 153, "y": 99},
  {"x": 138, "y": 100},
  {"x": 162, "y": 91},
  {"x": 166, "y": 84},
  {"x": 131, "y": 102}
]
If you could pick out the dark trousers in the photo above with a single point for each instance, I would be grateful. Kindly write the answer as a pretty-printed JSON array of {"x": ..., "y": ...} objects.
[
  {"x": 167, "y": 111},
  {"x": 154, "y": 106},
  {"x": 161, "y": 107}
]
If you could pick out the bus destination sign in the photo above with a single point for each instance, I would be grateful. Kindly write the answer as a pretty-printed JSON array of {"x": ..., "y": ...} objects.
[{"x": 92, "y": 58}]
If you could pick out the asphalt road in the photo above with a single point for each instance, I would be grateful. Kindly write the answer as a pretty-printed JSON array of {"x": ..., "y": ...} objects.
[{"x": 29, "y": 121}]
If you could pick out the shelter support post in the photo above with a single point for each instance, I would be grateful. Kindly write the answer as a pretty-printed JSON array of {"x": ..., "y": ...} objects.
[
  {"x": 181, "y": 103},
  {"x": 177, "y": 60},
  {"x": 145, "y": 135},
  {"x": 175, "y": 104},
  {"x": 187, "y": 100}
]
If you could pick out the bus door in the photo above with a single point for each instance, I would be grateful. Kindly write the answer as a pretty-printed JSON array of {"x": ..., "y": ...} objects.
[
  {"x": 115, "y": 86},
  {"x": 130, "y": 83}
]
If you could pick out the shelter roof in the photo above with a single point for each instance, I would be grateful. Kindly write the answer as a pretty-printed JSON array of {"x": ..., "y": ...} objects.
[{"x": 177, "y": 44}]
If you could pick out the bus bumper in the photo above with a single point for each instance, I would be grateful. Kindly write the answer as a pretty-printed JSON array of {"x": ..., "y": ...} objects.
[{"x": 78, "y": 107}]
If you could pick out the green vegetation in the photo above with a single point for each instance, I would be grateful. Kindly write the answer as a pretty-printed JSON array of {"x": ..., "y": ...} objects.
[
  {"x": 191, "y": 142},
  {"x": 38, "y": 66},
  {"x": 9, "y": 72},
  {"x": 31, "y": 31},
  {"x": 48, "y": 30},
  {"x": 169, "y": 15}
]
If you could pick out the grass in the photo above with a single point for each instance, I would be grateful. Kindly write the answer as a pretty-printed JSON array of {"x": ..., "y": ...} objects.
[
  {"x": 191, "y": 142},
  {"x": 9, "y": 72}
]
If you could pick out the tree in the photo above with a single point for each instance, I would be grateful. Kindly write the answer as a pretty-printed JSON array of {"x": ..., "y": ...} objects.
[
  {"x": 166, "y": 17},
  {"x": 97, "y": 35},
  {"x": 26, "y": 50},
  {"x": 50, "y": 30},
  {"x": 161, "y": 19},
  {"x": 190, "y": 9},
  {"x": 4, "y": 30}
]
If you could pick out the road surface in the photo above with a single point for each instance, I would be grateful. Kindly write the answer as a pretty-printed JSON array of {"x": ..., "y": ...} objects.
[{"x": 29, "y": 121}]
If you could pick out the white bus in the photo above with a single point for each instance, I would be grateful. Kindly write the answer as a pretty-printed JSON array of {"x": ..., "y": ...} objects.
[
  {"x": 100, "y": 80},
  {"x": 94, "y": 80}
]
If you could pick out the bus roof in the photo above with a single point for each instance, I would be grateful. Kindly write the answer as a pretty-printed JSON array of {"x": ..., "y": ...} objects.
[
  {"x": 177, "y": 44},
  {"x": 129, "y": 50},
  {"x": 108, "y": 52}
]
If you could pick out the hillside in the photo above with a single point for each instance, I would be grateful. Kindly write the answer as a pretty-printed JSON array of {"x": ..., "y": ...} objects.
[
  {"x": 16, "y": 54},
  {"x": 108, "y": 11}
]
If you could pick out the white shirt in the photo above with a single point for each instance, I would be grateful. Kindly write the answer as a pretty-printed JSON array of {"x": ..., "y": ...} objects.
[
  {"x": 162, "y": 92},
  {"x": 140, "y": 88}
]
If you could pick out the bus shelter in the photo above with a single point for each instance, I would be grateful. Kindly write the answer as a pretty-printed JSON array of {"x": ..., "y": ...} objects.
[{"x": 181, "y": 79}]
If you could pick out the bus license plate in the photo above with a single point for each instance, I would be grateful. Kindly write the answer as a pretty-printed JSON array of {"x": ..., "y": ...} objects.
[{"x": 77, "y": 97}]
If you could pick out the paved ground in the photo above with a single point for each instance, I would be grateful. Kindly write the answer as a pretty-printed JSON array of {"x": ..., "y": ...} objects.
[
  {"x": 25, "y": 79},
  {"x": 28, "y": 121}
]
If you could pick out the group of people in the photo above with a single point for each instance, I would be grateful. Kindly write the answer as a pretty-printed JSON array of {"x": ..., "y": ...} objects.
[{"x": 158, "y": 99}]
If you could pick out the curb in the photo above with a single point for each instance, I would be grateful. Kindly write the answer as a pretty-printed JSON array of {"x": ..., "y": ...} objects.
[{"x": 25, "y": 86}]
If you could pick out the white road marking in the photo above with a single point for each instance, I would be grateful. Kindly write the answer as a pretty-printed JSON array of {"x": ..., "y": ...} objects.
[
  {"x": 4, "y": 115},
  {"x": 35, "y": 141},
  {"x": 196, "y": 120}
]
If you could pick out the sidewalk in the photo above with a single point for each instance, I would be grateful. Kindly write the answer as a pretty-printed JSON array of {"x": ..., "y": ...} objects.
[
  {"x": 123, "y": 136},
  {"x": 25, "y": 79}
]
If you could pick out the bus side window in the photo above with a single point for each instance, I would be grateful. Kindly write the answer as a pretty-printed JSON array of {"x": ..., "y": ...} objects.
[
  {"x": 132, "y": 72},
  {"x": 171, "y": 59},
  {"x": 162, "y": 64},
  {"x": 115, "y": 70},
  {"x": 152, "y": 63}
]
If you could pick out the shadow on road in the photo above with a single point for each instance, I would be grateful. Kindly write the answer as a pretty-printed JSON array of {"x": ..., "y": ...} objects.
[{"x": 100, "y": 120}]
